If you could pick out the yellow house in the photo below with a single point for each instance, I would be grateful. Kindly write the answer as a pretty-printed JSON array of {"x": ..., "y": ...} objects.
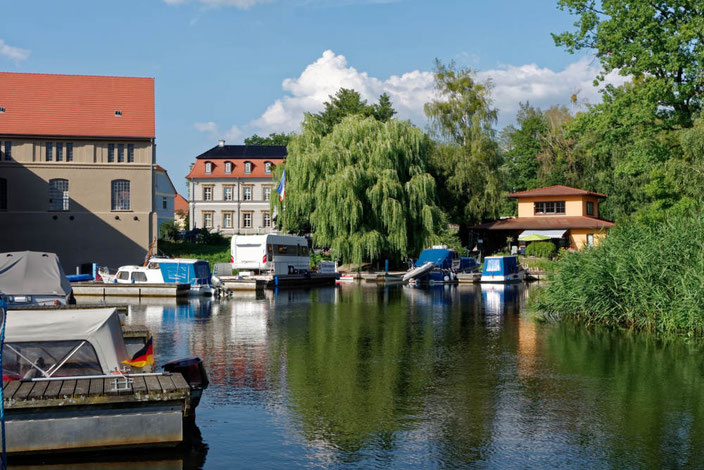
[{"x": 568, "y": 215}]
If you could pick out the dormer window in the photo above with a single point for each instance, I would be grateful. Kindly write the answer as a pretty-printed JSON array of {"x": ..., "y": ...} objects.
[
  {"x": 247, "y": 167},
  {"x": 267, "y": 167},
  {"x": 208, "y": 167},
  {"x": 2, "y": 109},
  {"x": 118, "y": 113},
  {"x": 228, "y": 167},
  {"x": 549, "y": 207}
]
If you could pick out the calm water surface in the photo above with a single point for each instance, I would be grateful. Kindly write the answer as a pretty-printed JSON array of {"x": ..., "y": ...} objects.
[{"x": 363, "y": 376}]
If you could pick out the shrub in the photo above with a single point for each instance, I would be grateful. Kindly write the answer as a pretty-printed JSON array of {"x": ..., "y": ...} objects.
[
  {"x": 169, "y": 231},
  {"x": 541, "y": 249}
]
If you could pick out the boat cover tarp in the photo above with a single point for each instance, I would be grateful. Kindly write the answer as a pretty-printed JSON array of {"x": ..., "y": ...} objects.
[
  {"x": 99, "y": 326},
  {"x": 194, "y": 272},
  {"x": 32, "y": 273},
  {"x": 500, "y": 265},
  {"x": 545, "y": 233},
  {"x": 441, "y": 257}
]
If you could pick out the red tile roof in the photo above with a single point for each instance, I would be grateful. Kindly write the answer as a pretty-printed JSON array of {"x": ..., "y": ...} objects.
[
  {"x": 557, "y": 190},
  {"x": 258, "y": 166},
  {"x": 545, "y": 223},
  {"x": 76, "y": 105},
  {"x": 180, "y": 203}
]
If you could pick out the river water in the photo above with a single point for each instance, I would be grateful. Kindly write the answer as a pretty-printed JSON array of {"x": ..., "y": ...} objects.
[{"x": 362, "y": 376}]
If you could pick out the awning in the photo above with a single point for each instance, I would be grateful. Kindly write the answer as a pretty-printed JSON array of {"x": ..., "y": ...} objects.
[{"x": 534, "y": 235}]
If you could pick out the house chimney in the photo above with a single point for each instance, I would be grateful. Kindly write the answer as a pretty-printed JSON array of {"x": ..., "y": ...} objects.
[{"x": 221, "y": 143}]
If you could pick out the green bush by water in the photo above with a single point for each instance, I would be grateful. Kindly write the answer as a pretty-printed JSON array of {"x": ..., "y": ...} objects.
[
  {"x": 215, "y": 253},
  {"x": 644, "y": 275},
  {"x": 541, "y": 249}
]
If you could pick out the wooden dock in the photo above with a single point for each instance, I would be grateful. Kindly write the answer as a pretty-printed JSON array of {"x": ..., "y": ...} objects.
[
  {"x": 70, "y": 415},
  {"x": 99, "y": 289},
  {"x": 233, "y": 283}
]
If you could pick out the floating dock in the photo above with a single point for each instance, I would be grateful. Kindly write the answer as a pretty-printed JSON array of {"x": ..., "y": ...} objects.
[
  {"x": 234, "y": 283},
  {"x": 383, "y": 278},
  {"x": 92, "y": 414},
  {"x": 99, "y": 289},
  {"x": 258, "y": 283}
]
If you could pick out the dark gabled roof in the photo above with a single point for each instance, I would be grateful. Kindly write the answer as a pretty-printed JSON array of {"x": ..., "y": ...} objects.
[
  {"x": 557, "y": 190},
  {"x": 245, "y": 151},
  {"x": 545, "y": 223}
]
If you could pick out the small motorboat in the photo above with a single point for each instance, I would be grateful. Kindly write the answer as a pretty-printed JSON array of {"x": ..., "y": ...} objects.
[
  {"x": 502, "y": 269},
  {"x": 170, "y": 270},
  {"x": 439, "y": 265}
]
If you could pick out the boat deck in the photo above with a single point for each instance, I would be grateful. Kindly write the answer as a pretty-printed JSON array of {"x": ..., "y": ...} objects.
[{"x": 92, "y": 413}]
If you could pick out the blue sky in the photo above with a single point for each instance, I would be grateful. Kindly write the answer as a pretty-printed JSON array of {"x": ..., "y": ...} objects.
[{"x": 230, "y": 68}]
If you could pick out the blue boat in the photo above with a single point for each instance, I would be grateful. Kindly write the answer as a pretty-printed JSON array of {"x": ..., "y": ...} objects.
[
  {"x": 439, "y": 265},
  {"x": 502, "y": 269}
]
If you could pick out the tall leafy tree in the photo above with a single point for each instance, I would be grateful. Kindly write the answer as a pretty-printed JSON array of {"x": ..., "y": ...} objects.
[
  {"x": 522, "y": 144},
  {"x": 273, "y": 139},
  {"x": 467, "y": 161},
  {"x": 362, "y": 189},
  {"x": 347, "y": 102},
  {"x": 661, "y": 40}
]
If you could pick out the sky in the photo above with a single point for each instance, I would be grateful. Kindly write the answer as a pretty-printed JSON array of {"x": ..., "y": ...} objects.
[{"x": 227, "y": 69}]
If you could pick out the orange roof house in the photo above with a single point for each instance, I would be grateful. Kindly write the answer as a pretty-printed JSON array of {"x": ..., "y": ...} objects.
[{"x": 559, "y": 212}]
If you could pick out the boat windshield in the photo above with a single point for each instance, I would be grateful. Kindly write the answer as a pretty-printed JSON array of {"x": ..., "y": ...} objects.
[
  {"x": 493, "y": 265},
  {"x": 49, "y": 359}
]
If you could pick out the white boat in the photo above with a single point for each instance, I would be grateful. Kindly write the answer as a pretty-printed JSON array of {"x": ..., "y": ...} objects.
[
  {"x": 503, "y": 269},
  {"x": 169, "y": 270},
  {"x": 347, "y": 278},
  {"x": 30, "y": 278}
]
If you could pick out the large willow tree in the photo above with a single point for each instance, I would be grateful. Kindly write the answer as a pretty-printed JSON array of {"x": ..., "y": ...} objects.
[{"x": 363, "y": 189}]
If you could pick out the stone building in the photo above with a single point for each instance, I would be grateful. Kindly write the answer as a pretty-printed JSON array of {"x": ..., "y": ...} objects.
[
  {"x": 77, "y": 167},
  {"x": 231, "y": 186}
]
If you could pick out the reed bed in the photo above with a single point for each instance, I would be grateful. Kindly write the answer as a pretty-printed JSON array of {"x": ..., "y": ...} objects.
[{"x": 647, "y": 276}]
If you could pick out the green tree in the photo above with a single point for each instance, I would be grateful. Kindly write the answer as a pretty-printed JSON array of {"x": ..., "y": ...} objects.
[
  {"x": 467, "y": 161},
  {"x": 662, "y": 40},
  {"x": 273, "y": 139},
  {"x": 522, "y": 145},
  {"x": 363, "y": 189},
  {"x": 347, "y": 102}
]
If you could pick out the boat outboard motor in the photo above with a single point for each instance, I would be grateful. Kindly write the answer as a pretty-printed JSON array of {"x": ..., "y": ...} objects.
[{"x": 193, "y": 371}]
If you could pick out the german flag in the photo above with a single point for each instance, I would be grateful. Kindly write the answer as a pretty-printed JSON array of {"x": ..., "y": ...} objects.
[{"x": 143, "y": 357}]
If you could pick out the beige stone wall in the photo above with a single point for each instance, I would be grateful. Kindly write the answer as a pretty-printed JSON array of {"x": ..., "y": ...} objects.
[
  {"x": 89, "y": 231},
  {"x": 84, "y": 151},
  {"x": 574, "y": 205}
]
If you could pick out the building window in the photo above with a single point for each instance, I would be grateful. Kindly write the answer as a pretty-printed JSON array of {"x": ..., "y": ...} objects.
[
  {"x": 164, "y": 202},
  {"x": 228, "y": 167},
  {"x": 8, "y": 150},
  {"x": 120, "y": 195},
  {"x": 130, "y": 153},
  {"x": 58, "y": 194},
  {"x": 3, "y": 194},
  {"x": 590, "y": 239},
  {"x": 246, "y": 220},
  {"x": 207, "y": 193},
  {"x": 49, "y": 151},
  {"x": 227, "y": 193},
  {"x": 247, "y": 167},
  {"x": 59, "y": 151},
  {"x": 120, "y": 153},
  {"x": 266, "y": 192},
  {"x": 267, "y": 168},
  {"x": 551, "y": 207},
  {"x": 208, "y": 220},
  {"x": 590, "y": 208},
  {"x": 227, "y": 219},
  {"x": 208, "y": 167},
  {"x": 246, "y": 193},
  {"x": 69, "y": 151},
  {"x": 111, "y": 153},
  {"x": 266, "y": 219}
]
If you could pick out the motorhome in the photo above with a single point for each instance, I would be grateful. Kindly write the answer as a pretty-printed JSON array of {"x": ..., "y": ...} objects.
[{"x": 270, "y": 254}]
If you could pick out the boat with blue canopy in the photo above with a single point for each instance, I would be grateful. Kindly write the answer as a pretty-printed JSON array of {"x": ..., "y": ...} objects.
[
  {"x": 502, "y": 269},
  {"x": 170, "y": 270},
  {"x": 439, "y": 265}
]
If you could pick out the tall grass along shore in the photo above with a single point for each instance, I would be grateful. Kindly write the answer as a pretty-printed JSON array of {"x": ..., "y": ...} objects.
[{"x": 644, "y": 275}]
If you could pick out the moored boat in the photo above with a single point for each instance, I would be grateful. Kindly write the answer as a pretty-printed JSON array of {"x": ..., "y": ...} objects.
[
  {"x": 31, "y": 278},
  {"x": 502, "y": 269},
  {"x": 194, "y": 272},
  {"x": 439, "y": 265}
]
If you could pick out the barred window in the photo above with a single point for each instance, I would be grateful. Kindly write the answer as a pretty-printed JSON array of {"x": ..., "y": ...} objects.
[
  {"x": 246, "y": 220},
  {"x": 111, "y": 153},
  {"x": 3, "y": 194},
  {"x": 59, "y": 151},
  {"x": 120, "y": 195},
  {"x": 207, "y": 193},
  {"x": 246, "y": 193},
  {"x": 130, "y": 153},
  {"x": 120, "y": 153},
  {"x": 69, "y": 151},
  {"x": 49, "y": 151},
  {"x": 58, "y": 194}
]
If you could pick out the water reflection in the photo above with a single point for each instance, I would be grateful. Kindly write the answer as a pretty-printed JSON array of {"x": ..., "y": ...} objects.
[{"x": 367, "y": 375}]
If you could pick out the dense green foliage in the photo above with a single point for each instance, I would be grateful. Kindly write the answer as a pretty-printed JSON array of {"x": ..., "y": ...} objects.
[
  {"x": 273, "y": 139},
  {"x": 211, "y": 252},
  {"x": 345, "y": 103},
  {"x": 466, "y": 163},
  {"x": 643, "y": 275},
  {"x": 363, "y": 189},
  {"x": 169, "y": 231},
  {"x": 541, "y": 249}
]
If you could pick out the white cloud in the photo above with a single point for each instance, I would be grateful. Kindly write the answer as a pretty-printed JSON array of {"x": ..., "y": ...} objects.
[
  {"x": 14, "y": 53},
  {"x": 541, "y": 86},
  {"x": 211, "y": 128}
]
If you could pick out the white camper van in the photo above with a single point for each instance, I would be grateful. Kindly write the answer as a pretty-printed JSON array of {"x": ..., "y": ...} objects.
[{"x": 275, "y": 254}]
